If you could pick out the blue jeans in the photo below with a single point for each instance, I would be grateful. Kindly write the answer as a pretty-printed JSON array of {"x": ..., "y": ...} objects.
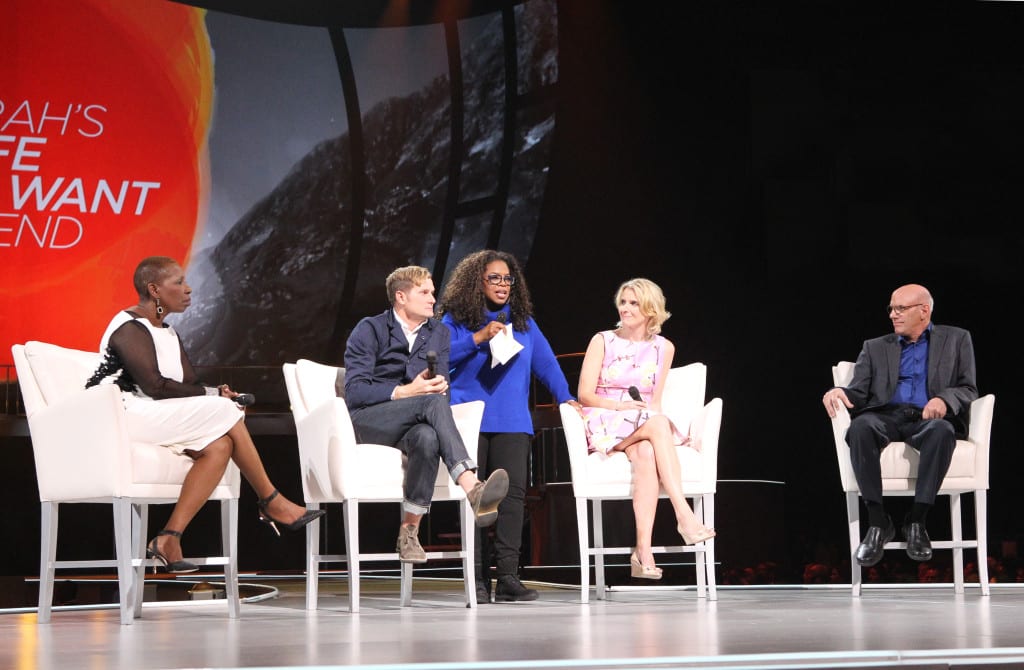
[{"x": 422, "y": 428}]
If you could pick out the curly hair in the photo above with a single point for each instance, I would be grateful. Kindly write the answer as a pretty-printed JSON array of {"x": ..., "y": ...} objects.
[{"x": 464, "y": 298}]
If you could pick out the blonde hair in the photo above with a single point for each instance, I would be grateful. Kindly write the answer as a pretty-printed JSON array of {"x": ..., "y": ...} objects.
[
  {"x": 651, "y": 299},
  {"x": 404, "y": 279}
]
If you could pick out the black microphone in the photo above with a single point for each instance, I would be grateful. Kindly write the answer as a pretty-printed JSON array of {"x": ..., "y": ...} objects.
[
  {"x": 431, "y": 365},
  {"x": 501, "y": 318},
  {"x": 244, "y": 399},
  {"x": 634, "y": 393}
]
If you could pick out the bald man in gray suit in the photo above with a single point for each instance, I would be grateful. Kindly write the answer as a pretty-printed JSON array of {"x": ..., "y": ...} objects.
[{"x": 915, "y": 385}]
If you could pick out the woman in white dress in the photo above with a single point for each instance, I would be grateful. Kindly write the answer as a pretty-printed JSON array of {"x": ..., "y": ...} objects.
[{"x": 168, "y": 405}]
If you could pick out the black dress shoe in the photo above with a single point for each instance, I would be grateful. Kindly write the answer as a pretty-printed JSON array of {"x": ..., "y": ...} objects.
[
  {"x": 509, "y": 589},
  {"x": 919, "y": 545},
  {"x": 873, "y": 545}
]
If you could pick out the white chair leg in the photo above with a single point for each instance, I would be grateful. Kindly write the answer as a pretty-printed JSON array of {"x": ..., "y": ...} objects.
[
  {"x": 956, "y": 525},
  {"x": 583, "y": 531},
  {"x": 853, "y": 519},
  {"x": 708, "y": 519},
  {"x": 47, "y": 557},
  {"x": 468, "y": 550},
  {"x": 404, "y": 578},
  {"x": 599, "y": 585},
  {"x": 699, "y": 551},
  {"x": 229, "y": 542},
  {"x": 312, "y": 563},
  {"x": 126, "y": 584},
  {"x": 140, "y": 526},
  {"x": 350, "y": 510},
  {"x": 405, "y": 591},
  {"x": 709, "y": 514},
  {"x": 981, "y": 533}
]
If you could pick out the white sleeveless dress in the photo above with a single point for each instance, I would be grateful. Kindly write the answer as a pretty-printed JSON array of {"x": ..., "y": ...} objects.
[{"x": 175, "y": 423}]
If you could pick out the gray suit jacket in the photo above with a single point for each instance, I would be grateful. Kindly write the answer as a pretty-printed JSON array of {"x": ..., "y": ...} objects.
[{"x": 951, "y": 373}]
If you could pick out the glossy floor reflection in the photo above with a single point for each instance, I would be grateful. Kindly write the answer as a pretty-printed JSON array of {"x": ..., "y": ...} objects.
[{"x": 745, "y": 628}]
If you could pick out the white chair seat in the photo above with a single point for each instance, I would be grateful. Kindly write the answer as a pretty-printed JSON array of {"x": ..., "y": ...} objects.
[
  {"x": 337, "y": 469},
  {"x": 83, "y": 455},
  {"x": 155, "y": 465},
  {"x": 596, "y": 478},
  {"x": 900, "y": 461}
]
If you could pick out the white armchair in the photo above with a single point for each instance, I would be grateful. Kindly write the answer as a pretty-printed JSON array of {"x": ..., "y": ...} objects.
[
  {"x": 968, "y": 473},
  {"x": 83, "y": 455},
  {"x": 596, "y": 478},
  {"x": 337, "y": 469}
]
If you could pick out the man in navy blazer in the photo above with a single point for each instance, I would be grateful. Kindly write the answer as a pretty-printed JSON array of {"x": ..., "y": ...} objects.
[
  {"x": 915, "y": 385},
  {"x": 395, "y": 389}
]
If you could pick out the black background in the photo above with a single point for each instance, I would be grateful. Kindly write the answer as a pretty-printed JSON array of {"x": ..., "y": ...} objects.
[{"x": 779, "y": 170}]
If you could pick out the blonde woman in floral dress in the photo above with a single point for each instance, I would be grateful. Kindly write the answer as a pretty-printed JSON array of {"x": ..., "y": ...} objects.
[{"x": 635, "y": 354}]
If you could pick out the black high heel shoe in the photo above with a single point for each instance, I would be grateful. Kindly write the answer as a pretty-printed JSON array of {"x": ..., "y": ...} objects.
[
  {"x": 298, "y": 524},
  {"x": 175, "y": 567}
]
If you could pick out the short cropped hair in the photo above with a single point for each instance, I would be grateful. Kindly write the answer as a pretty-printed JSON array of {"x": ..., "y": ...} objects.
[
  {"x": 404, "y": 279},
  {"x": 651, "y": 299},
  {"x": 151, "y": 270}
]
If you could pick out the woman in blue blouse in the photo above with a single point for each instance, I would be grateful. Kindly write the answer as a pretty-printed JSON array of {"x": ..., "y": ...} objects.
[{"x": 486, "y": 295}]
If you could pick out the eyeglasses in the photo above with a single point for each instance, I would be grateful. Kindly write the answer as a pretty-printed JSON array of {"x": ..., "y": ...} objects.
[
  {"x": 899, "y": 309},
  {"x": 498, "y": 280}
]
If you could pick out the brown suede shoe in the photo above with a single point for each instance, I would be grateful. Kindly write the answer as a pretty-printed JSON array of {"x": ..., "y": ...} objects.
[
  {"x": 409, "y": 548},
  {"x": 486, "y": 496}
]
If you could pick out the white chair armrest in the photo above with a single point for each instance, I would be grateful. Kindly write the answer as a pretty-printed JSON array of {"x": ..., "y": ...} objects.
[
  {"x": 840, "y": 422},
  {"x": 980, "y": 429},
  {"x": 324, "y": 429},
  {"x": 575, "y": 440},
  {"x": 468, "y": 416},
  {"x": 980, "y": 432},
  {"x": 704, "y": 433},
  {"x": 77, "y": 464}
]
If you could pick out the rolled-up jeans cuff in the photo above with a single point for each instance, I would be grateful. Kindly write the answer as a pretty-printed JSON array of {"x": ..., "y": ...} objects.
[
  {"x": 414, "y": 508},
  {"x": 460, "y": 467}
]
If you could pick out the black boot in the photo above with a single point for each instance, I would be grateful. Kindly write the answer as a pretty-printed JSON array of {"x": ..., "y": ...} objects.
[
  {"x": 510, "y": 589},
  {"x": 483, "y": 591},
  {"x": 483, "y": 584}
]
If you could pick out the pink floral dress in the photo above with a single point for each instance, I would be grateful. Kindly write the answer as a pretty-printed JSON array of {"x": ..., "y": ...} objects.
[{"x": 626, "y": 363}]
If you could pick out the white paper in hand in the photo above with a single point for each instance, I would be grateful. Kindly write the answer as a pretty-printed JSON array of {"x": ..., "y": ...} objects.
[{"x": 504, "y": 347}]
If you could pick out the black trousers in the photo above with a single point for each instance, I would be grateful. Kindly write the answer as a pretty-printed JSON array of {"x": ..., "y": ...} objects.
[
  {"x": 871, "y": 432},
  {"x": 511, "y": 452}
]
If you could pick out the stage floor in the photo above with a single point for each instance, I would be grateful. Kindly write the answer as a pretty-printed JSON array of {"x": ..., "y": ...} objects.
[{"x": 747, "y": 627}]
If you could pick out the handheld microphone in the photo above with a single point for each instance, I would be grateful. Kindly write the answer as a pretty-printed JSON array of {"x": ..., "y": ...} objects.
[
  {"x": 244, "y": 399},
  {"x": 431, "y": 365},
  {"x": 634, "y": 393}
]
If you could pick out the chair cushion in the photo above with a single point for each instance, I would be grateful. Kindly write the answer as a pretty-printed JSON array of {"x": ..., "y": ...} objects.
[
  {"x": 59, "y": 371},
  {"x": 153, "y": 464},
  {"x": 616, "y": 468},
  {"x": 900, "y": 461}
]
